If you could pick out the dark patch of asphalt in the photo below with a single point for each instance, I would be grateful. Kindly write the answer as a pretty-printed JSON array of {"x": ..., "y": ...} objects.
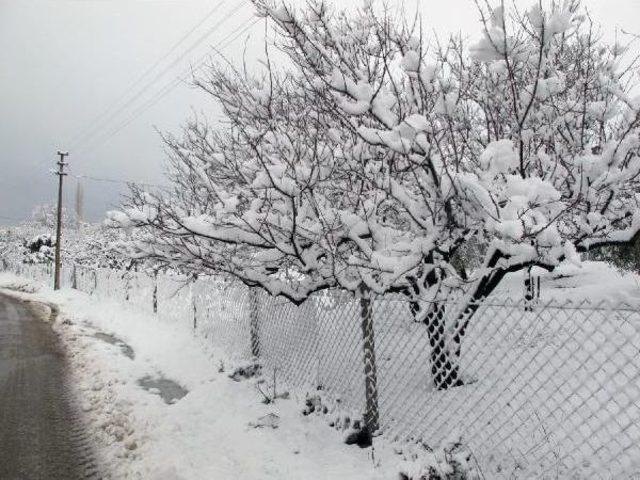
[
  {"x": 126, "y": 350},
  {"x": 168, "y": 390},
  {"x": 41, "y": 435}
]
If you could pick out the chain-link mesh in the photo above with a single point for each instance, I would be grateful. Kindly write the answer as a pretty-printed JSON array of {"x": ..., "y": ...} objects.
[{"x": 546, "y": 390}]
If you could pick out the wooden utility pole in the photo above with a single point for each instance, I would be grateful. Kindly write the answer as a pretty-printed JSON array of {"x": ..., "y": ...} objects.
[{"x": 61, "y": 174}]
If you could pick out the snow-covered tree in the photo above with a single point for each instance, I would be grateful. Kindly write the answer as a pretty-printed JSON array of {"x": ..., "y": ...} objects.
[
  {"x": 91, "y": 245},
  {"x": 10, "y": 247},
  {"x": 378, "y": 163},
  {"x": 96, "y": 246},
  {"x": 46, "y": 216}
]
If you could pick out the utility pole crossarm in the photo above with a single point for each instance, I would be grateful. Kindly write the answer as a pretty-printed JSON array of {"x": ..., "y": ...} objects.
[{"x": 61, "y": 174}]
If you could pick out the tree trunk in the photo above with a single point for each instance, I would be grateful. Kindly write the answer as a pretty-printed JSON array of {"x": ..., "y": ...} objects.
[
  {"x": 482, "y": 291},
  {"x": 445, "y": 368}
]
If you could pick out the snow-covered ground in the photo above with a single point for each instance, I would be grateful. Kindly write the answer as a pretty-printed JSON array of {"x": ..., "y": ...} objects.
[
  {"x": 550, "y": 393},
  {"x": 219, "y": 430}
]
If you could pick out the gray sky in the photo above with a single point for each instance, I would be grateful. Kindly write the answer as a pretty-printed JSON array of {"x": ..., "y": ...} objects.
[{"x": 64, "y": 62}]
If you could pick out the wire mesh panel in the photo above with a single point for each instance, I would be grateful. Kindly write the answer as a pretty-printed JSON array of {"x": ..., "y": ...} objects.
[
  {"x": 110, "y": 284},
  {"x": 288, "y": 339},
  {"x": 175, "y": 303},
  {"x": 340, "y": 349},
  {"x": 548, "y": 393},
  {"x": 316, "y": 346},
  {"x": 222, "y": 316},
  {"x": 140, "y": 290},
  {"x": 404, "y": 369}
]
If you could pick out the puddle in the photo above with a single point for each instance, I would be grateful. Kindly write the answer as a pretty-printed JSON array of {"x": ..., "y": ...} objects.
[
  {"x": 168, "y": 390},
  {"x": 126, "y": 350}
]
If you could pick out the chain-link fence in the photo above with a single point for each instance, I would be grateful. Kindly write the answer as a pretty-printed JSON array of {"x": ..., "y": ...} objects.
[{"x": 545, "y": 390}]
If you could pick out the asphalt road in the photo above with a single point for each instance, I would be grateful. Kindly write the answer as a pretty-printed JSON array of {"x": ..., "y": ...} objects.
[{"x": 40, "y": 435}]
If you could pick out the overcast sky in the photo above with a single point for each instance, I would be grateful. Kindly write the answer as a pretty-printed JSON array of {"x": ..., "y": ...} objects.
[{"x": 65, "y": 62}]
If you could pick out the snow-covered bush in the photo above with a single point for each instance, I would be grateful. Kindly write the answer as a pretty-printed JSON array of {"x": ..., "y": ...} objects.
[
  {"x": 39, "y": 249},
  {"x": 452, "y": 462},
  {"x": 90, "y": 245},
  {"x": 95, "y": 245},
  {"x": 25, "y": 243},
  {"x": 379, "y": 163}
]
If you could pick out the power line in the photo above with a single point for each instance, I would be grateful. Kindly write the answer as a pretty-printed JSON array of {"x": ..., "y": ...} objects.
[
  {"x": 92, "y": 124},
  {"x": 162, "y": 93},
  {"x": 159, "y": 75},
  {"x": 116, "y": 180},
  {"x": 139, "y": 92}
]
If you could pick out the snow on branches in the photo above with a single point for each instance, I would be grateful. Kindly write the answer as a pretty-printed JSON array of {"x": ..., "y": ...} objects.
[{"x": 376, "y": 159}]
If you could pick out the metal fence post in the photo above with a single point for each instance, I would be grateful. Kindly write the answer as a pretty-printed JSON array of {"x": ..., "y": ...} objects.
[
  {"x": 372, "y": 414},
  {"x": 155, "y": 292},
  {"x": 316, "y": 332},
  {"x": 74, "y": 278},
  {"x": 195, "y": 310},
  {"x": 254, "y": 325},
  {"x": 127, "y": 286}
]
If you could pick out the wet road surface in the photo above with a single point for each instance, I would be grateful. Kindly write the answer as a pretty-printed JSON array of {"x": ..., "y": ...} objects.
[{"x": 40, "y": 435}]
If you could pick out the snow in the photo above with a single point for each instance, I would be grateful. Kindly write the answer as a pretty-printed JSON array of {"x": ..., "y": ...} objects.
[
  {"x": 513, "y": 363},
  {"x": 533, "y": 189},
  {"x": 208, "y": 433},
  {"x": 489, "y": 47},
  {"x": 549, "y": 23},
  {"x": 499, "y": 157},
  {"x": 417, "y": 122},
  {"x": 411, "y": 61}
]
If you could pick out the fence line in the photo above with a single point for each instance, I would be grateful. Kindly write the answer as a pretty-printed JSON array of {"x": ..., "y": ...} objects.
[{"x": 544, "y": 391}]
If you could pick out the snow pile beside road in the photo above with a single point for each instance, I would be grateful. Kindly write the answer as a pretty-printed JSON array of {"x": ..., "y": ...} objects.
[{"x": 15, "y": 283}]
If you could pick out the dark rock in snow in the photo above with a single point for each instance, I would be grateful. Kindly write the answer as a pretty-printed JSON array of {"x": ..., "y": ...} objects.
[
  {"x": 361, "y": 437},
  {"x": 246, "y": 372}
]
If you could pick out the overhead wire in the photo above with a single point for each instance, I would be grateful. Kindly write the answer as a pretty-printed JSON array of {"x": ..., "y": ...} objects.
[
  {"x": 164, "y": 91},
  {"x": 93, "y": 123},
  {"x": 224, "y": 42},
  {"x": 141, "y": 91},
  {"x": 115, "y": 180}
]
